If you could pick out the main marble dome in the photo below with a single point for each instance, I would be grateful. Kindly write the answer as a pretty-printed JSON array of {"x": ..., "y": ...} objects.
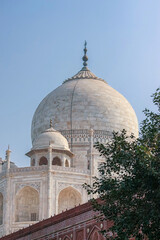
[{"x": 82, "y": 102}]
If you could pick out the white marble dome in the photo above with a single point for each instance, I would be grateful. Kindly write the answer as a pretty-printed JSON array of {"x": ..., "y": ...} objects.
[
  {"x": 53, "y": 138},
  {"x": 84, "y": 102}
]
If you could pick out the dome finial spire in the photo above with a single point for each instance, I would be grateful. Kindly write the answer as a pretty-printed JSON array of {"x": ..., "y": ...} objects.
[
  {"x": 85, "y": 58},
  {"x": 51, "y": 124}
]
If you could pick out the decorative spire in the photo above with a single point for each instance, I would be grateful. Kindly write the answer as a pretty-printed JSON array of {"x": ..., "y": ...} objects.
[
  {"x": 85, "y": 58},
  {"x": 84, "y": 73},
  {"x": 51, "y": 125},
  {"x": 8, "y": 157},
  {"x": 8, "y": 151}
]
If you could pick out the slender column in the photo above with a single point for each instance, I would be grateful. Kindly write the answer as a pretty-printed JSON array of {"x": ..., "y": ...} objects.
[
  {"x": 91, "y": 158},
  {"x": 8, "y": 152},
  {"x": 56, "y": 197},
  {"x": 36, "y": 160},
  {"x": 7, "y": 197},
  {"x": 49, "y": 181},
  {"x": 63, "y": 161}
]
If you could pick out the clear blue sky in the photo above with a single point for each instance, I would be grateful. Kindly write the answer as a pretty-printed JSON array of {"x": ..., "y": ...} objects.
[{"x": 41, "y": 44}]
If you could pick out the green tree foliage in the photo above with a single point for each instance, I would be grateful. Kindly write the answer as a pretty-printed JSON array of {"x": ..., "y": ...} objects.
[{"x": 129, "y": 181}]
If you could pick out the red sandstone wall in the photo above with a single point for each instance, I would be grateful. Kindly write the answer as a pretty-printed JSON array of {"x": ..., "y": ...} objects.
[{"x": 75, "y": 224}]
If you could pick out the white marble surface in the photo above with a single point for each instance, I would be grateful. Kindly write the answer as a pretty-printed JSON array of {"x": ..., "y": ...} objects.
[{"x": 84, "y": 104}]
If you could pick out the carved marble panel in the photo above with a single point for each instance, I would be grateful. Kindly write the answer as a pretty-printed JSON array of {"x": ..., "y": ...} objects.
[{"x": 35, "y": 185}]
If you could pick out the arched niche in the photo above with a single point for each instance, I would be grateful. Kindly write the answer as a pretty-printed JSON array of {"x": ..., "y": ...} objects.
[
  {"x": 27, "y": 205},
  {"x": 1, "y": 208},
  {"x": 68, "y": 198},
  {"x": 95, "y": 234},
  {"x": 43, "y": 161},
  {"x": 66, "y": 163},
  {"x": 56, "y": 161}
]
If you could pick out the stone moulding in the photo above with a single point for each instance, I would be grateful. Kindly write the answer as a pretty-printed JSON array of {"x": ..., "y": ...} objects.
[
  {"x": 45, "y": 168},
  {"x": 84, "y": 73},
  {"x": 79, "y": 135},
  {"x": 63, "y": 185},
  {"x": 28, "y": 169},
  {"x": 70, "y": 169}
]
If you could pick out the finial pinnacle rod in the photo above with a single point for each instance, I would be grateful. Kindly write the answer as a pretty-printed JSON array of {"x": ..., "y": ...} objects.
[
  {"x": 51, "y": 124},
  {"x": 85, "y": 43},
  {"x": 85, "y": 58}
]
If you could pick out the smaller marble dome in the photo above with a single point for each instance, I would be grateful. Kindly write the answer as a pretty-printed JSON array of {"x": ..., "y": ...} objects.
[{"x": 53, "y": 138}]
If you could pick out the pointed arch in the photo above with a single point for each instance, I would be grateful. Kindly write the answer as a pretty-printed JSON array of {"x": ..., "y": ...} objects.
[
  {"x": 68, "y": 198},
  {"x": 66, "y": 238},
  {"x": 43, "y": 161},
  {"x": 27, "y": 205},
  {"x": 56, "y": 161},
  {"x": 94, "y": 234},
  {"x": 1, "y": 208},
  {"x": 66, "y": 163}
]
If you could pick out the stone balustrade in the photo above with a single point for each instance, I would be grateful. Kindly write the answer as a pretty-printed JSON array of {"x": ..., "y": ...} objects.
[
  {"x": 70, "y": 169},
  {"x": 27, "y": 169},
  {"x": 45, "y": 168}
]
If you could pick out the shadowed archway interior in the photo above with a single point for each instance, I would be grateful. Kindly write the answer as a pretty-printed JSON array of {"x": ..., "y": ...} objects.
[
  {"x": 68, "y": 198},
  {"x": 27, "y": 205}
]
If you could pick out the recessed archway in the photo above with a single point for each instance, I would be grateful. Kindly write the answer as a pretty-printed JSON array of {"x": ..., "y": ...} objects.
[
  {"x": 43, "y": 161},
  {"x": 27, "y": 205},
  {"x": 56, "y": 161},
  {"x": 68, "y": 198},
  {"x": 66, "y": 163},
  {"x": 94, "y": 234}
]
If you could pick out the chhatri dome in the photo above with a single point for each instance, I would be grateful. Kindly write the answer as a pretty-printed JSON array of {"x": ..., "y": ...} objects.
[
  {"x": 81, "y": 103},
  {"x": 51, "y": 137}
]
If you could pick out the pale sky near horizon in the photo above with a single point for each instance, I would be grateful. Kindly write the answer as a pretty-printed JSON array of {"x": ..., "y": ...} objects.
[{"x": 41, "y": 45}]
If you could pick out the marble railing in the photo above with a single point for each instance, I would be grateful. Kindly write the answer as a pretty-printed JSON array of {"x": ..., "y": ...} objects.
[
  {"x": 45, "y": 168},
  {"x": 26, "y": 169},
  {"x": 69, "y": 169}
]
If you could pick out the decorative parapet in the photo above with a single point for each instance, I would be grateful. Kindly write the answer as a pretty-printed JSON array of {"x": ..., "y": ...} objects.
[
  {"x": 45, "y": 168},
  {"x": 28, "y": 169},
  {"x": 72, "y": 170}
]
